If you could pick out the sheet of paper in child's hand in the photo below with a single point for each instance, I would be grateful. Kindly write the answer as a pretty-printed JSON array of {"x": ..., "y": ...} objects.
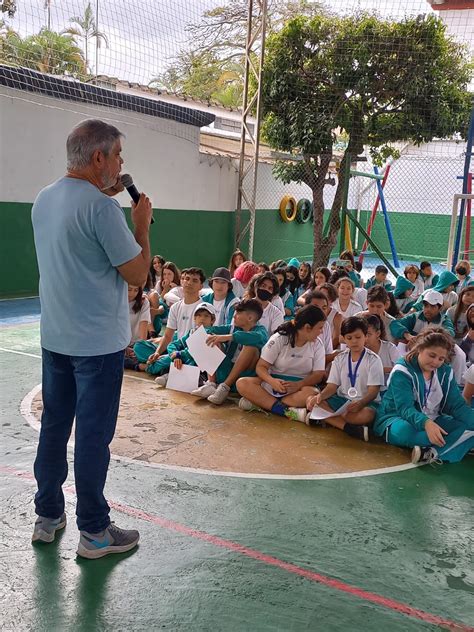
[
  {"x": 207, "y": 358},
  {"x": 321, "y": 413},
  {"x": 185, "y": 379}
]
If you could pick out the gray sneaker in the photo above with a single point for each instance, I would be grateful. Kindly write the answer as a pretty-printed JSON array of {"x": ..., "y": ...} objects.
[
  {"x": 111, "y": 540},
  {"x": 45, "y": 528},
  {"x": 208, "y": 388}
]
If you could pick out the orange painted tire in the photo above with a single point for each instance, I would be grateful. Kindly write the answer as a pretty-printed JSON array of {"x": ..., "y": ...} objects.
[
  {"x": 304, "y": 211},
  {"x": 288, "y": 209}
]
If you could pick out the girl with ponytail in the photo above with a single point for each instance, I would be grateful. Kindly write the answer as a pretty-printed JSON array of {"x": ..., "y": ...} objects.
[{"x": 291, "y": 364}]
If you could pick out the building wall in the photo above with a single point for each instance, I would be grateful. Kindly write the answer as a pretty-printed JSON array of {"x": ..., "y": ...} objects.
[{"x": 194, "y": 194}]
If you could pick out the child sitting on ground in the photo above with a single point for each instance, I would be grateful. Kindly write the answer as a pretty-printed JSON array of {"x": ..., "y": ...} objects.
[
  {"x": 468, "y": 392},
  {"x": 350, "y": 268},
  {"x": 237, "y": 259},
  {"x": 356, "y": 376},
  {"x": 291, "y": 364},
  {"x": 412, "y": 273},
  {"x": 180, "y": 317},
  {"x": 241, "y": 343},
  {"x": 264, "y": 288},
  {"x": 463, "y": 272},
  {"x": 345, "y": 303},
  {"x": 320, "y": 300},
  {"x": 177, "y": 350},
  {"x": 377, "y": 343},
  {"x": 378, "y": 300},
  {"x": 320, "y": 277},
  {"x": 221, "y": 296},
  {"x": 334, "y": 318},
  {"x": 403, "y": 295},
  {"x": 242, "y": 277},
  {"x": 458, "y": 313},
  {"x": 139, "y": 310},
  {"x": 426, "y": 274},
  {"x": 379, "y": 279},
  {"x": 286, "y": 296},
  {"x": 423, "y": 408},
  {"x": 446, "y": 285},
  {"x": 467, "y": 343}
]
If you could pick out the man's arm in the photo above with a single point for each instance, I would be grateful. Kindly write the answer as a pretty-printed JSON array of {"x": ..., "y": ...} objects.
[{"x": 135, "y": 272}]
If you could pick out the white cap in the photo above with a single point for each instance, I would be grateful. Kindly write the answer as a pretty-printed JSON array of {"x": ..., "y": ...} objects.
[
  {"x": 209, "y": 307},
  {"x": 433, "y": 297}
]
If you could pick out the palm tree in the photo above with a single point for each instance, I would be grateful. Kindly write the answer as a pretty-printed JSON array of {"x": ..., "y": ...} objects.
[
  {"x": 49, "y": 52},
  {"x": 86, "y": 28}
]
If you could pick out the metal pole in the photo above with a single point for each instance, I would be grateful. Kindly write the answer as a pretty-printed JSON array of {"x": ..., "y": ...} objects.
[
  {"x": 248, "y": 192},
  {"x": 345, "y": 197},
  {"x": 388, "y": 227},
  {"x": 96, "y": 40},
  {"x": 467, "y": 164}
]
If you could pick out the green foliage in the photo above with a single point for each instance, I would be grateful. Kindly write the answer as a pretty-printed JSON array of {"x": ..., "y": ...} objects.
[
  {"x": 84, "y": 28},
  {"x": 375, "y": 81},
  {"x": 47, "y": 51}
]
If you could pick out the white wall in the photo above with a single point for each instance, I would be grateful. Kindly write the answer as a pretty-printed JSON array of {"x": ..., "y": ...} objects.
[{"x": 162, "y": 155}]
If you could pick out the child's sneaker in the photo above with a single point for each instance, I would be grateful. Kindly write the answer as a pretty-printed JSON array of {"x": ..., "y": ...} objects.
[
  {"x": 45, "y": 528},
  {"x": 220, "y": 394},
  {"x": 162, "y": 380},
  {"x": 111, "y": 540},
  {"x": 296, "y": 414},
  {"x": 423, "y": 455},
  {"x": 246, "y": 404},
  {"x": 357, "y": 432},
  {"x": 208, "y": 388}
]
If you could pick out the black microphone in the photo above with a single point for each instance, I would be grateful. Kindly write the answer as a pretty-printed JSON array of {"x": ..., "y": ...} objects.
[{"x": 127, "y": 182}]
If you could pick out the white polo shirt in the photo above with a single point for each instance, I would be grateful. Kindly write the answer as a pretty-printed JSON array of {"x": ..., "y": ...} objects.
[
  {"x": 369, "y": 373},
  {"x": 180, "y": 317},
  {"x": 293, "y": 361}
]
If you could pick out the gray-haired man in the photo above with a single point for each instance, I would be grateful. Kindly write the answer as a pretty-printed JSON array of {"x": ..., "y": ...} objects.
[{"x": 86, "y": 256}]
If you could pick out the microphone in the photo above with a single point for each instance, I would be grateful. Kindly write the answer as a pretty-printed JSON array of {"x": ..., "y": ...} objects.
[{"x": 127, "y": 182}]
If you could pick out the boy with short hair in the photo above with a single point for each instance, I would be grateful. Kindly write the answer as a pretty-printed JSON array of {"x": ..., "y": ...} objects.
[
  {"x": 241, "y": 343},
  {"x": 180, "y": 317},
  {"x": 177, "y": 351},
  {"x": 356, "y": 375},
  {"x": 426, "y": 274},
  {"x": 412, "y": 273},
  {"x": 411, "y": 325},
  {"x": 379, "y": 279},
  {"x": 378, "y": 301},
  {"x": 221, "y": 296}
]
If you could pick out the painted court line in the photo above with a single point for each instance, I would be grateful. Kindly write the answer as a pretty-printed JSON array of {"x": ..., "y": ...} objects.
[
  {"x": 235, "y": 547},
  {"x": 27, "y": 414}
]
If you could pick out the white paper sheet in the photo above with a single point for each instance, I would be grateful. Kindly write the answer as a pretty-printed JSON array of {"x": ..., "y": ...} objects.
[
  {"x": 321, "y": 413},
  {"x": 185, "y": 379},
  {"x": 207, "y": 358}
]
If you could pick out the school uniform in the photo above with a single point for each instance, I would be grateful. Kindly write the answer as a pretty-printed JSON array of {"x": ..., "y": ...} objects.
[
  {"x": 224, "y": 308},
  {"x": 237, "y": 288},
  {"x": 369, "y": 373},
  {"x": 372, "y": 282},
  {"x": 445, "y": 279},
  {"x": 389, "y": 354},
  {"x": 272, "y": 318},
  {"x": 289, "y": 303},
  {"x": 143, "y": 315},
  {"x": 419, "y": 288},
  {"x": 257, "y": 337},
  {"x": 326, "y": 338},
  {"x": 278, "y": 302},
  {"x": 416, "y": 322},
  {"x": 404, "y": 303},
  {"x": 460, "y": 326},
  {"x": 174, "y": 295},
  {"x": 387, "y": 320},
  {"x": 468, "y": 281},
  {"x": 410, "y": 401},
  {"x": 180, "y": 318},
  {"x": 352, "y": 309},
  {"x": 291, "y": 363}
]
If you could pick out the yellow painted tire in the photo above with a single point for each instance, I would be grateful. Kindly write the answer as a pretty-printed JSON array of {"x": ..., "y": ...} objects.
[
  {"x": 304, "y": 211},
  {"x": 288, "y": 209}
]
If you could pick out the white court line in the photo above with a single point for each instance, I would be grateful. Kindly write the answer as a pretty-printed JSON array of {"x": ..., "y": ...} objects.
[{"x": 25, "y": 410}]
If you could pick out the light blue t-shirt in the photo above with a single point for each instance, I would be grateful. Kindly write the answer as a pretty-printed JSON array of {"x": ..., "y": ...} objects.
[{"x": 81, "y": 236}]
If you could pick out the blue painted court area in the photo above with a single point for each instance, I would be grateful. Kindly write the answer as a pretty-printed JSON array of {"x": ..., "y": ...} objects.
[{"x": 19, "y": 311}]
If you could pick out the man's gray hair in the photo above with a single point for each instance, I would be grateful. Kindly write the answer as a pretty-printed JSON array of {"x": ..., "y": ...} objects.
[{"x": 86, "y": 138}]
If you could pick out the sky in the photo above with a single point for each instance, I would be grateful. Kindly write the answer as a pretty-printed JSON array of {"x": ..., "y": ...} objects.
[{"x": 145, "y": 35}]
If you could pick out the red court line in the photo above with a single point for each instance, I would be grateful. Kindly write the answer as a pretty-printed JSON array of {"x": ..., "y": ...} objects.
[{"x": 335, "y": 584}]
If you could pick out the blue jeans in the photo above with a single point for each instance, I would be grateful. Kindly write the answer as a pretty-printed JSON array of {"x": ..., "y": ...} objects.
[{"x": 87, "y": 388}]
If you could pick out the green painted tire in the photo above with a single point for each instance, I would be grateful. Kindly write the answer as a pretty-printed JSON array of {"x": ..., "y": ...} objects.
[{"x": 304, "y": 211}]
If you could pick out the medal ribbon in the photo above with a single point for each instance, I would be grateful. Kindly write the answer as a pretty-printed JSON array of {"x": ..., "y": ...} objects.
[{"x": 353, "y": 376}]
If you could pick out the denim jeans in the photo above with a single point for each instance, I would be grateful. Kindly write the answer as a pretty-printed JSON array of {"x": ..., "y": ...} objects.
[{"x": 87, "y": 388}]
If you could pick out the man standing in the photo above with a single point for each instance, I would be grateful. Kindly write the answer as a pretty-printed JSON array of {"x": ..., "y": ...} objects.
[{"x": 86, "y": 256}]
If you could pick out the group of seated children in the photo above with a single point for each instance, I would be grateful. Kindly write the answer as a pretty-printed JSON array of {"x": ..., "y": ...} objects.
[{"x": 375, "y": 356}]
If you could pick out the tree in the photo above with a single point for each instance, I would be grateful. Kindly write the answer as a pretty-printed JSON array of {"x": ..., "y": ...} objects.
[
  {"x": 8, "y": 7},
  {"x": 212, "y": 67},
  {"x": 47, "y": 51},
  {"x": 377, "y": 81},
  {"x": 85, "y": 29}
]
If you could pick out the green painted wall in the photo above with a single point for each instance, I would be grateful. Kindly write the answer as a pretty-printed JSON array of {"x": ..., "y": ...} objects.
[{"x": 205, "y": 238}]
